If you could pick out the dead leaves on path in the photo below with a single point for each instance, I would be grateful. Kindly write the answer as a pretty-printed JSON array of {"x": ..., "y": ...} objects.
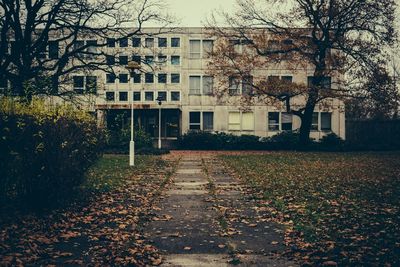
[{"x": 105, "y": 232}]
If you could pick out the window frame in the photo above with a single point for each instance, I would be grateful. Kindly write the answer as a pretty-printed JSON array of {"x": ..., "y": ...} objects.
[
  {"x": 175, "y": 75},
  {"x": 176, "y": 44},
  {"x": 125, "y": 93}
]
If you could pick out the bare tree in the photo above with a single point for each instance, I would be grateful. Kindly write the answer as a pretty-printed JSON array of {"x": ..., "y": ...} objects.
[
  {"x": 333, "y": 38},
  {"x": 42, "y": 41}
]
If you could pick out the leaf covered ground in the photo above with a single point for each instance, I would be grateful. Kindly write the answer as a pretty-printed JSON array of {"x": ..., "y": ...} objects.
[
  {"x": 101, "y": 230},
  {"x": 339, "y": 208}
]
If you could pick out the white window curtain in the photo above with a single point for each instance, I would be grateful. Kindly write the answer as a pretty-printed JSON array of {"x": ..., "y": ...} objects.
[
  {"x": 194, "y": 85},
  {"x": 247, "y": 121},
  {"x": 194, "y": 46},
  {"x": 234, "y": 121},
  {"x": 208, "y": 85}
]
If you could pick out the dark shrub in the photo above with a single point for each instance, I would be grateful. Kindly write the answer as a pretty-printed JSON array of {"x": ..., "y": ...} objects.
[
  {"x": 118, "y": 140},
  {"x": 44, "y": 152},
  {"x": 332, "y": 142},
  {"x": 198, "y": 140}
]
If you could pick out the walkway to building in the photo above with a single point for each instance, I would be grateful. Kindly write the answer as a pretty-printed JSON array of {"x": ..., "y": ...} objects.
[{"x": 206, "y": 218}]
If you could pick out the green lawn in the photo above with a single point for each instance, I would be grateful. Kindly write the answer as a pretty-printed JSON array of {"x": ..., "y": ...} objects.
[
  {"x": 112, "y": 170},
  {"x": 345, "y": 205}
]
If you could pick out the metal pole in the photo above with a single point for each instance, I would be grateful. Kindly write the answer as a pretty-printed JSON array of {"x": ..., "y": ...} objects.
[
  {"x": 159, "y": 127},
  {"x": 131, "y": 143}
]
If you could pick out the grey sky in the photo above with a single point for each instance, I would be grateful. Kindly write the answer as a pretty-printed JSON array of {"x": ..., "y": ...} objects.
[{"x": 193, "y": 13}]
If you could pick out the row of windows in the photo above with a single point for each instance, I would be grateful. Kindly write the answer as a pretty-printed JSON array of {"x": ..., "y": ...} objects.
[
  {"x": 147, "y": 96},
  {"x": 149, "y": 42},
  {"x": 162, "y": 78},
  {"x": 161, "y": 59},
  {"x": 244, "y": 121}
]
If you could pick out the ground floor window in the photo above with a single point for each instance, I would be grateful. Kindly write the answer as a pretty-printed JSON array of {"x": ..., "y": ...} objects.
[
  {"x": 241, "y": 121},
  {"x": 321, "y": 121},
  {"x": 201, "y": 121},
  {"x": 175, "y": 96},
  {"x": 280, "y": 121},
  {"x": 110, "y": 96}
]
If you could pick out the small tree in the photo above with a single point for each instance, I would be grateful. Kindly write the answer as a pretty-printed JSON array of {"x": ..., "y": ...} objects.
[
  {"x": 333, "y": 38},
  {"x": 30, "y": 29}
]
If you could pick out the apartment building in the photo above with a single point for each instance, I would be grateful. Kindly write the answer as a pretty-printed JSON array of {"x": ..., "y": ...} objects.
[{"x": 174, "y": 71}]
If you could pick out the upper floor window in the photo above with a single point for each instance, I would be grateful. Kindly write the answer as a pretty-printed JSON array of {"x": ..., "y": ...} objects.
[
  {"x": 175, "y": 42},
  {"x": 175, "y": 60},
  {"x": 325, "y": 82},
  {"x": 194, "y": 85},
  {"x": 123, "y": 60},
  {"x": 175, "y": 78},
  {"x": 136, "y": 58},
  {"x": 110, "y": 78},
  {"x": 234, "y": 85},
  {"x": 162, "y": 95},
  {"x": 175, "y": 96},
  {"x": 123, "y": 78},
  {"x": 149, "y": 78},
  {"x": 162, "y": 42},
  {"x": 149, "y": 60},
  {"x": 149, "y": 42},
  {"x": 207, "y": 47},
  {"x": 123, "y": 42},
  {"x": 123, "y": 96},
  {"x": 136, "y": 41},
  {"x": 110, "y": 96},
  {"x": 208, "y": 83},
  {"x": 110, "y": 60},
  {"x": 162, "y": 78},
  {"x": 111, "y": 42},
  {"x": 194, "y": 49},
  {"x": 53, "y": 49}
]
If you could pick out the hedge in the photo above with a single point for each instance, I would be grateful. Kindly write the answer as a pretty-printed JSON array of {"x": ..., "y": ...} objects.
[{"x": 44, "y": 151}]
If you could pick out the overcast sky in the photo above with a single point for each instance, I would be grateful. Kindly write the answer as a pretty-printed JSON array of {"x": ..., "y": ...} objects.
[{"x": 192, "y": 13}]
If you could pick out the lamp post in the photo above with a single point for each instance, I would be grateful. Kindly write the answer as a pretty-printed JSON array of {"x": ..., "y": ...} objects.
[
  {"x": 159, "y": 101},
  {"x": 132, "y": 67}
]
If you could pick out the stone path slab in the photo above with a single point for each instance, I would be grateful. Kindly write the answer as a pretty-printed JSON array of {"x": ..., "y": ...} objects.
[{"x": 207, "y": 219}]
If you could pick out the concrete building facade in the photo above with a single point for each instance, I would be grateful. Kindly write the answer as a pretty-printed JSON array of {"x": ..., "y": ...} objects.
[{"x": 174, "y": 70}]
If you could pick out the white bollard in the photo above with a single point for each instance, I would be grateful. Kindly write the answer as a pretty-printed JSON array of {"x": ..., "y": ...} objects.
[{"x": 132, "y": 153}]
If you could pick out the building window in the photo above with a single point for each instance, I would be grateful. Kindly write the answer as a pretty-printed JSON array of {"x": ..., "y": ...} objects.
[
  {"x": 194, "y": 49},
  {"x": 136, "y": 96},
  {"x": 247, "y": 121},
  {"x": 162, "y": 78},
  {"x": 234, "y": 121},
  {"x": 110, "y": 78},
  {"x": 91, "y": 84},
  {"x": 326, "y": 121},
  {"x": 162, "y": 59},
  {"x": 111, "y": 42},
  {"x": 162, "y": 96},
  {"x": 194, "y": 120},
  {"x": 123, "y": 78},
  {"x": 273, "y": 45},
  {"x": 162, "y": 42},
  {"x": 136, "y": 42},
  {"x": 137, "y": 78},
  {"x": 123, "y": 60},
  {"x": 287, "y": 79},
  {"x": 241, "y": 121},
  {"x": 123, "y": 96},
  {"x": 78, "y": 47},
  {"x": 247, "y": 85},
  {"x": 53, "y": 49},
  {"x": 273, "y": 79},
  {"x": 149, "y": 96},
  {"x": 234, "y": 85},
  {"x": 149, "y": 42},
  {"x": 208, "y": 83},
  {"x": 79, "y": 84},
  {"x": 123, "y": 42},
  {"x": 149, "y": 60},
  {"x": 110, "y": 60},
  {"x": 287, "y": 121},
  {"x": 175, "y": 60},
  {"x": 194, "y": 85},
  {"x": 175, "y": 42},
  {"x": 92, "y": 48},
  {"x": 208, "y": 121},
  {"x": 175, "y": 96},
  {"x": 136, "y": 58},
  {"x": 273, "y": 121},
  {"x": 314, "y": 122},
  {"x": 325, "y": 82},
  {"x": 207, "y": 48},
  {"x": 149, "y": 78},
  {"x": 110, "y": 96},
  {"x": 175, "y": 78}
]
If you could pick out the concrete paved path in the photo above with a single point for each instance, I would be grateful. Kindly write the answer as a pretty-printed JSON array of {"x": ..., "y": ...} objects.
[{"x": 207, "y": 219}]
